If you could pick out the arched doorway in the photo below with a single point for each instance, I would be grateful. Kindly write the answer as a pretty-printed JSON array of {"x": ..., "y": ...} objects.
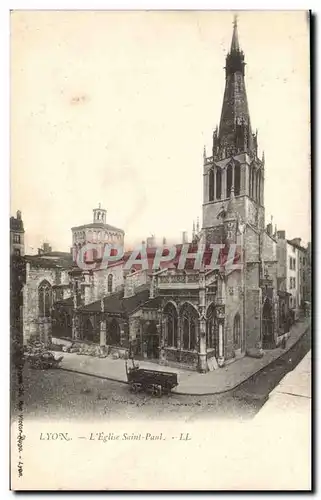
[
  {"x": 267, "y": 324},
  {"x": 89, "y": 330},
  {"x": 189, "y": 319},
  {"x": 114, "y": 332},
  {"x": 170, "y": 313}
]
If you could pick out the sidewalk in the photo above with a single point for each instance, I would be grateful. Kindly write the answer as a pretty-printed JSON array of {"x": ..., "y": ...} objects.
[
  {"x": 190, "y": 383},
  {"x": 294, "y": 393}
]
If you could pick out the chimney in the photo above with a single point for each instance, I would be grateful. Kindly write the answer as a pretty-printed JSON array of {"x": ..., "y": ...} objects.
[
  {"x": 46, "y": 248},
  {"x": 281, "y": 235}
]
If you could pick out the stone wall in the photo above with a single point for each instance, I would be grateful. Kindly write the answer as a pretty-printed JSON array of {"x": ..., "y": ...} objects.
[
  {"x": 252, "y": 325},
  {"x": 100, "y": 281},
  {"x": 269, "y": 250},
  {"x": 188, "y": 358},
  {"x": 212, "y": 209},
  {"x": 251, "y": 242},
  {"x": 233, "y": 305}
]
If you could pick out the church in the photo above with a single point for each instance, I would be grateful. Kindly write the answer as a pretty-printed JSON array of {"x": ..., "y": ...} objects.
[{"x": 196, "y": 318}]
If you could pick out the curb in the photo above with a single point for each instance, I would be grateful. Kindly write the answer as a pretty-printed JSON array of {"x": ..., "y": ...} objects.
[
  {"x": 103, "y": 377},
  {"x": 247, "y": 378},
  {"x": 223, "y": 391}
]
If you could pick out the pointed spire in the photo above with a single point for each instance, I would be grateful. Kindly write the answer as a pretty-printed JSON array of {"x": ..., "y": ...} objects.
[
  {"x": 235, "y": 131},
  {"x": 235, "y": 45},
  {"x": 204, "y": 152},
  {"x": 263, "y": 158},
  {"x": 198, "y": 225}
]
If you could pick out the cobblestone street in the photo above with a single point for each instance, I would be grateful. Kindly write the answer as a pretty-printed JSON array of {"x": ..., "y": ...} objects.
[{"x": 53, "y": 394}]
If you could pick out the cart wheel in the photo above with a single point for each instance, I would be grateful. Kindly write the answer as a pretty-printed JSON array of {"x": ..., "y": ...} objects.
[
  {"x": 157, "y": 391},
  {"x": 135, "y": 387}
]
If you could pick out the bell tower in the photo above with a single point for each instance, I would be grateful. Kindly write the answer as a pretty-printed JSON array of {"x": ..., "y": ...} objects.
[
  {"x": 99, "y": 215},
  {"x": 234, "y": 167}
]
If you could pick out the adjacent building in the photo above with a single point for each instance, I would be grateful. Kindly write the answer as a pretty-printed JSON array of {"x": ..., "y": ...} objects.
[{"x": 293, "y": 272}]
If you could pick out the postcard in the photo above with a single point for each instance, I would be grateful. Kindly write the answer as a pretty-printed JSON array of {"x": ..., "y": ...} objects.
[{"x": 160, "y": 250}]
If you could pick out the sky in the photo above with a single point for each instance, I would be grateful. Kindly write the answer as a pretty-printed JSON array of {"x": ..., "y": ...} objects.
[{"x": 116, "y": 107}]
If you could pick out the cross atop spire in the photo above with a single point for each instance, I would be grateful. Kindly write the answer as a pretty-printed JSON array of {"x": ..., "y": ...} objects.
[{"x": 235, "y": 46}]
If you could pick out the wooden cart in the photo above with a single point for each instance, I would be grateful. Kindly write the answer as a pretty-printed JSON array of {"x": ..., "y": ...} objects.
[{"x": 153, "y": 381}]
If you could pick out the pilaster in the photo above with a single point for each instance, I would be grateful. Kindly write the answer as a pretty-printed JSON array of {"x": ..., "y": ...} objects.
[
  {"x": 202, "y": 357},
  {"x": 224, "y": 184},
  {"x": 103, "y": 333}
]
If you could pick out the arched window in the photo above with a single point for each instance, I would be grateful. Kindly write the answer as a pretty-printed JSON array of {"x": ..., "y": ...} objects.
[
  {"x": 258, "y": 187},
  {"x": 237, "y": 179},
  {"x": 171, "y": 320},
  {"x": 211, "y": 185},
  {"x": 250, "y": 180},
  {"x": 237, "y": 331},
  {"x": 110, "y": 283},
  {"x": 218, "y": 183},
  {"x": 229, "y": 179},
  {"x": 189, "y": 318},
  {"x": 253, "y": 183},
  {"x": 44, "y": 299}
]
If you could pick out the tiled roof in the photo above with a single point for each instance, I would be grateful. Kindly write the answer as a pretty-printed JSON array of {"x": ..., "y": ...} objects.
[
  {"x": 299, "y": 247},
  {"x": 65, "y": 302},
  {"x": 153, "y": 303},
  {"x": 115, "y": 303},
  {"x": 66, "y": 255},
  {"x": 49, "y": 263}
]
